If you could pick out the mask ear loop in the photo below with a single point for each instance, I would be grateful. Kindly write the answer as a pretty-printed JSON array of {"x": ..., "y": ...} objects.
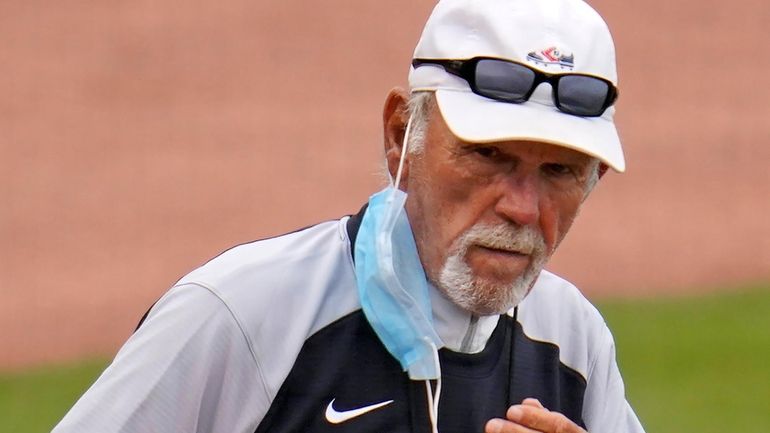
[
  {"x": 433, "y": 400},
  {"x": 403, "y": 152}
]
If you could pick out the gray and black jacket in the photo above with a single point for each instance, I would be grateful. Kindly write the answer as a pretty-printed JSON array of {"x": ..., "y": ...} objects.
[{"x": 270, "y": 337}]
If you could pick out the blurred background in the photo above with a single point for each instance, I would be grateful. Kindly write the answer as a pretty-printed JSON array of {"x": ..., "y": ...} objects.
[{"x": 139, "y": 139}]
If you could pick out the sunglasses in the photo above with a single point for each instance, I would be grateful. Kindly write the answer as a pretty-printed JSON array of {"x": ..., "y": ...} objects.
[{"x": 509, "y": 81}]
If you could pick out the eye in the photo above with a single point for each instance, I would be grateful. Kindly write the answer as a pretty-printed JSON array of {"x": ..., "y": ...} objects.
[
  {"x": 487, "y": 151},
  {"x": 557, "y": 170}
]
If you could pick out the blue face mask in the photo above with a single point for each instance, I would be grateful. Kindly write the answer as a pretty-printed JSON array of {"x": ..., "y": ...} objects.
[{"x": 392, "y": 285}]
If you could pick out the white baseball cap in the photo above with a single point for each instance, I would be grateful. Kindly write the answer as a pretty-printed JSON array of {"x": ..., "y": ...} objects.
[{"x": 552, "y": 36}]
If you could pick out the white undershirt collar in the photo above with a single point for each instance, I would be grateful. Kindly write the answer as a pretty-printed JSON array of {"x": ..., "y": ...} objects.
[{"x": 460, "y": 330}]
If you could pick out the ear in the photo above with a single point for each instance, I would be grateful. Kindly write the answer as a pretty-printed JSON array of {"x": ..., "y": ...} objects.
[
  {"x": 602, "y": 169},
  {"x": 394, "y": 118}
]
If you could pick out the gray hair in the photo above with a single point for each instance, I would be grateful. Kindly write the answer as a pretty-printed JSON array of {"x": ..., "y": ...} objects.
[
  {"x": 593, "y": 177},
  {"x": 419, "y": 111}
]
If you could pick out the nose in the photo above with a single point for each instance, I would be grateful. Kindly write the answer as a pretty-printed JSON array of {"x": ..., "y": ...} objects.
[{"x": 519, "y": 200}]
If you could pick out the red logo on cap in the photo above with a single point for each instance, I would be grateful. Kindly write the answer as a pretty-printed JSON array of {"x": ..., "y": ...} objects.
[{"x": 552, "y": 56}]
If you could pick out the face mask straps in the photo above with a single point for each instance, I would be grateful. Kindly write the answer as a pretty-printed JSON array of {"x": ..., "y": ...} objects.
[
  {"x": 393, "y": 288},
  {"x": 404, "y": 147},
  {"x": 431, "y": 395}
]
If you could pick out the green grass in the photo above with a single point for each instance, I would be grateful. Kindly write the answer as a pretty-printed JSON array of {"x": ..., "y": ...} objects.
[
  {"x": 34, "y": 401},
  {"x": 690, "y": 365},
  {"x": 696, "y": 364}
]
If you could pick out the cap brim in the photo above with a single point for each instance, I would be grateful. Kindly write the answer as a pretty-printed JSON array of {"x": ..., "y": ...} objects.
[{"x": 475, "y": 119}]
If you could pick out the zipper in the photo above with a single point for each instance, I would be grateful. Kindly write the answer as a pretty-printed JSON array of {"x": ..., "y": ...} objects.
[{"x": 470, "y": 334}]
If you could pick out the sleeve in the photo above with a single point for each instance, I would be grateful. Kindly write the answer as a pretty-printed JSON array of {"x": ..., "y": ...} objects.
[
  {"x": 188, "y": 368},
  {"x": 605, "y": 409}
]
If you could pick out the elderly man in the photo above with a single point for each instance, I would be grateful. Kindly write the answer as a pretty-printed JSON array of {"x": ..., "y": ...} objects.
[{"x": 429, "y": 310}]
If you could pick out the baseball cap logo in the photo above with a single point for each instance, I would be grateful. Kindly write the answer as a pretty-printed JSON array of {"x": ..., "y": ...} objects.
[{"x": 552, "y": 56}]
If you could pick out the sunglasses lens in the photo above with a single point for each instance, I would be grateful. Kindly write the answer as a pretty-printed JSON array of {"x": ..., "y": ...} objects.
[
  {"x": 503, "y": 80},
  {"x": 582, "y": 95}
]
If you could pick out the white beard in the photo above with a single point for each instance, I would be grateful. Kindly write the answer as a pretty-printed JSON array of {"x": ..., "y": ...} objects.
[{"x": 458, "y": 282}]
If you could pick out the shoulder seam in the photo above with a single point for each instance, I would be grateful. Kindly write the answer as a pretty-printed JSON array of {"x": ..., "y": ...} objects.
[
  {"x": 604, "y": 344},
  {"x": 237, "y": 321}
]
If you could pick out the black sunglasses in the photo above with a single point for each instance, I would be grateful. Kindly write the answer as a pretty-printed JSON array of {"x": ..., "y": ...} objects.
[{"x": 509, "y": 81}]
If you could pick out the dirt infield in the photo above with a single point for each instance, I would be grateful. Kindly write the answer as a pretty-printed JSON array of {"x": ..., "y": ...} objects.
[{"x": 139, "y": 139}]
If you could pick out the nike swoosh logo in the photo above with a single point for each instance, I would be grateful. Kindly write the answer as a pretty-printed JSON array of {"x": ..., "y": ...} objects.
[{"x": 335, "y": 417}]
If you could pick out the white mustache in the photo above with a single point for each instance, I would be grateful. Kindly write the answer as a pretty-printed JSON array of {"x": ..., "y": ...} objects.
[{"x": 522, "y": 240}]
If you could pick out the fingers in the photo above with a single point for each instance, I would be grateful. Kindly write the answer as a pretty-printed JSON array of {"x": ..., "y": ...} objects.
[
  {"x": 531, "y": 417},
  {"x": 498, "y": 425},
  {"x": 533, "y": 402}
]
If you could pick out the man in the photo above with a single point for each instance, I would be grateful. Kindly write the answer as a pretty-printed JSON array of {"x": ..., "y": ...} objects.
[{"x": 393, "y": 321}]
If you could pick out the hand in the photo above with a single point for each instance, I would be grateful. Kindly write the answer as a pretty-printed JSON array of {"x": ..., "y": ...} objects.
[{"x": 530, "y": 417}]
